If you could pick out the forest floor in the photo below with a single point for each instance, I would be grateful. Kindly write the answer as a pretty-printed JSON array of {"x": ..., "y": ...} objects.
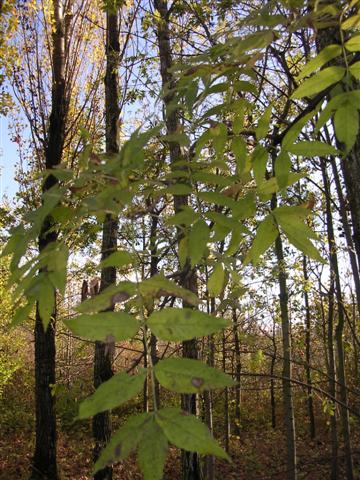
[{"x": 258, "y": 454}]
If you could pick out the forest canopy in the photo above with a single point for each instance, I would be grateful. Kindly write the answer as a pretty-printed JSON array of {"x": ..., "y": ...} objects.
[{"x": 180, "y": 289}]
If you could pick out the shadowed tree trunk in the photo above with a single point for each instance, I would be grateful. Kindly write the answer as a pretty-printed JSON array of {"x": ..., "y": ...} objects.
[
  {"x": 339, "y": 327},
  {"x": 104, "y": 353},
  {"x": 237, "y": 374},
  {"x": 291, "y": 459},
  {"x": 272, "y": 379},
  {"x": 44, "y": 465},
  {"x": 308, "y": 351},
  {"x": 190, "y": 460}
]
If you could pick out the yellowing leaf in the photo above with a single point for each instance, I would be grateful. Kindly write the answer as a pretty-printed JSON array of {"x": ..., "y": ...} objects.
[
  {"x": 327, "y": 54},
  {"x": 353, "y": 45},
  {"x": 319, "y": 82},
  {"x": 216, "y": 281},
  {"x": 351, "y": 22}
]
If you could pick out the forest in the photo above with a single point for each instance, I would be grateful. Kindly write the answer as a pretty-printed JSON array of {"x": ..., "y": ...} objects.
[{"x": 180, "y": 239}]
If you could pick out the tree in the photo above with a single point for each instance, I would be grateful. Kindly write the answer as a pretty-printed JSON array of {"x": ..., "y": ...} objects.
[
  {"x": 44, "y": 463},
  {"x": 104, "y": 352}
]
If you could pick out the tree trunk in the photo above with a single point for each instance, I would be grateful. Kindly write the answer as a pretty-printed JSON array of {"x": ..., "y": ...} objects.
[
  {"x": 237, "y": 374},
  {"x": 347, "y": 232},
  {"x": 104, "y": 353},
  {"x": 287, "y": 370},
  {"x": 339, "y": 327},
  {"x": 308, "y": 351},
  {"x": 272, "y": 379},
  {"x": 190, "y": 461},
  {"x": 226, "y": 399},
  {"x": 44, "y": 465}
]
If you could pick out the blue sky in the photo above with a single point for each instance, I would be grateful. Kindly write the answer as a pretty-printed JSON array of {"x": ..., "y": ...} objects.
[{"x": 8, "y": 159}]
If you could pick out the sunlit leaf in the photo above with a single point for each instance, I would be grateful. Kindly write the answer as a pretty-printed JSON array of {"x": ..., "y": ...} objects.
[
  {"x": 319, "y": 82},
  {"x": 112, "y": 393},
  {"x": 105, "y": 327},
  {"x": 184, "y": 375},
  {"x": 187, "y": 432},
  {"x": 177, "y": 324}
]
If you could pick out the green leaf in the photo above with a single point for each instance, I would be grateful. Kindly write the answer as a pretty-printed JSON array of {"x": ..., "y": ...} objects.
[
  {"x": 216, "y": 281},
  {"x": 105, "y": 327},
  {"x": 319, "y": 82},
  {"x": 351, "y": 22},
  {"x": 183, "y": 251},
  {"x": 223, "y": 220},
  {"x": 187, "y": 432},
  {"x": 198, "y": 239},
  {"x": 282, "y": 169},
  {"x": 179, "y": 138},
  {"x": 108, "y": 298},
  {"x": 218, "y": 199},
  {"x": 177, "y": 324},
  {"x": 57, "y": 267},
  {"x": 46, "y": 301},
  {"x": 312, "y": 149},
  {"x": 245, "y": 207},
  {"x": 297, "y": 232},
  {"x": 125, "y": 441},
  {"x": 112, "y": 393},
  {"x": 296, "y": 128},
  {"x": 346, "y": 123},
  {"x": 178, "y": 189},
  {"x": 213, "y": 179},
  {"x": 219, "y": 136},
  {"x": 355, "y": 70},
  {"x": 268, "y": 187},
  {"x": 184, "y": 375},
  {"x": 152, "y": 452},
  {"x": 353, "y": 45},
  {"x": 186, "y": 217},
  {"x": 117, "y": 259},
  {"x": 264, "y": 123},
  {"x": 159, "y": 286},
  {"x": 327, "y": 54},
  {"x": 259, "y": 158},
  {"x": 265, "y": 236}
]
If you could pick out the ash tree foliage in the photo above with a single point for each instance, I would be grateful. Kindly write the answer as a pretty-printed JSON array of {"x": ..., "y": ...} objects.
[{"x": 240, "y": 161}]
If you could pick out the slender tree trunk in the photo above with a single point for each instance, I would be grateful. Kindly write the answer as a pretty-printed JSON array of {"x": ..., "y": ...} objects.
[
  {"x": 190, "y": 460},
  {"x": 339, "y": 327},
  {"x": 347, "y": 232},
  {"x": 237, "y": 374},
  {"x": 208, "y": 402},
  {"x": 308, "y": 351},
  {"x": 44, "y": 465},
  {"x": 272, "y": 379},
  {"x": 154, "y": 260},
  {"x": 287, "y": 370},
  {"x": 104, "y": 353},
  {"x": 226, "y": 398}
]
